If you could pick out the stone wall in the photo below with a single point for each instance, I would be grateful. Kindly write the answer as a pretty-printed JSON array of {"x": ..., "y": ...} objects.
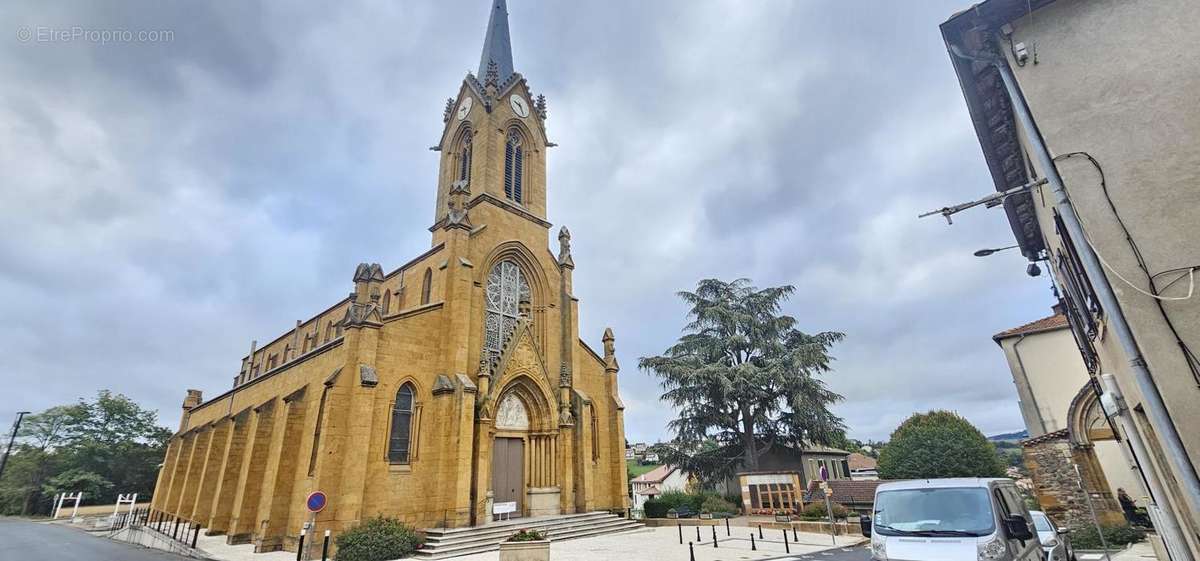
[{"x": 1051, "y": 461}]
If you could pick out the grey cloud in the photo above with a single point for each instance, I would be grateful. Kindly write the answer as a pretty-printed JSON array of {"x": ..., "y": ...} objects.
[{"x": 173, "y": 201}]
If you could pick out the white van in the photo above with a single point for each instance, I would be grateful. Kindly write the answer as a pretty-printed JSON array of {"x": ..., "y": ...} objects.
[{"x": 952, "y": 520}]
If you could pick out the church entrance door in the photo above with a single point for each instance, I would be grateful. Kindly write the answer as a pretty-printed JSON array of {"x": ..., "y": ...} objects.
[{"x": 508, "y": 473}]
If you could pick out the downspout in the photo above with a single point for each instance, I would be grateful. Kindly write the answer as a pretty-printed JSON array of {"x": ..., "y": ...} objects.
[
  {"x": 1152, "y": 400},
  {"x": 1029, "y": 387},
  {"x": 1162, "y": 514}
]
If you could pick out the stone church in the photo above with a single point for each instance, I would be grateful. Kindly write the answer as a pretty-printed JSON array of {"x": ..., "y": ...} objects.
[{"x": 447, "y": 392}]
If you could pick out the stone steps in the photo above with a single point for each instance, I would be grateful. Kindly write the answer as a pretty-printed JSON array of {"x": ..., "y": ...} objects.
[{"x": 441, "y": 543}]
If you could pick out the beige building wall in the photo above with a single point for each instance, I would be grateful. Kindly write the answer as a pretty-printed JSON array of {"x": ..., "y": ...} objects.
[
  {"x": 1107, "y": 85},
  {"x": 1048, "y": 361},
  {"x": 1117, "y": 80}
]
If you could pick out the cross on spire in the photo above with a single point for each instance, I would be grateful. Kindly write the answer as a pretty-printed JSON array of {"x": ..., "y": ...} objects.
[{"x": 497, "y": 45}]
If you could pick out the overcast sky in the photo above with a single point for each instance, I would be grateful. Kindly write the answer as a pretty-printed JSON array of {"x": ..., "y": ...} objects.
[{"x": 163, "y": 203}]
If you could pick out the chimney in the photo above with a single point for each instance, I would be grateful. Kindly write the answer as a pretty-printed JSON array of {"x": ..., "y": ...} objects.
[{"x": 193, "y": 399}]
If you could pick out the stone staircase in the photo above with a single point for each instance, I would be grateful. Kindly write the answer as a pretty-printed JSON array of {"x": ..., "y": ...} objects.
[{"x": 441, "y": 543}]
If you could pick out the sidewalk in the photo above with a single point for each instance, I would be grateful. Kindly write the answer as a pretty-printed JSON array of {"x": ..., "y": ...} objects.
[
  {"x": 1137, "y": 552},
  {"x": 662, "y": 544}
]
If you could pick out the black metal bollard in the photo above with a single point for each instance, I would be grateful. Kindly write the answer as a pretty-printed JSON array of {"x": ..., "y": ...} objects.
[
  {"x": 786, "y": 549},
  {"x": 727, "y": 527},
  {"x": 795, "y": 538},
  {"x": 300, "y": 547},
  {"x": 760, "y": 531},
  {"x": 753, "y": 547},
  {"x": 680, "y": 526},
  {"x": 325, "y": 547},
  {"x": 691, "y": 552},
  {"x": 714, "y": 529},
  {"x": 698, "y": 534},
  {"x": 195, "y": 536}
]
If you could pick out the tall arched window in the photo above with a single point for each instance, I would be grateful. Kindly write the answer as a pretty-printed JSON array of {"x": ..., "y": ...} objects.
[
  {"x": 426, "y": 286},
  {"x": 387, "y": 302},
  {"x": 506, "y": 291},
  {"x": 514, "y": 157},
  {"x": 402, "y": 414},
  {"x": 464, "y": 157}
]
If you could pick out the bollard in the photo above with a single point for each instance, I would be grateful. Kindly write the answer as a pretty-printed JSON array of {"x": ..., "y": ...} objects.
[
  {"x": 691, "y": 552},
  {"x": 786, "y": 549},
  {"x": 714, "y": 528},
  {"x": 195, "y": 536},
  {"x": 760, "y": 531},
  {"x": 325, "y": 547},
  {"x": 727, "y": 527},
  {"x": 680, "y": 532},
  {"x": 795, "y": 538},
  {"x": 752, "y": 546},
  {"x": 697, "y": 534},
  {"x": 300, "y": 546}
]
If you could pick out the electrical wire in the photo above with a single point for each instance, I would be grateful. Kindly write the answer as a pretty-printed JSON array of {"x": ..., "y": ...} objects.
[{"x": 1190, "y": 271}]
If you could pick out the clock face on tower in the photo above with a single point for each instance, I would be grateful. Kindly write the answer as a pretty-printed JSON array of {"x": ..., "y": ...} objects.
[
  {"x": 519, "y": 106},
  {"x": 464, "y": 108}
]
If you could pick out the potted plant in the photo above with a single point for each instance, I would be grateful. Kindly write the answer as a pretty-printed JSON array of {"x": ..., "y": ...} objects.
[
  {"x": 672, "y": 513},
  {"x": 782, "y": 516},
  {"x": 526, "y": 545}
]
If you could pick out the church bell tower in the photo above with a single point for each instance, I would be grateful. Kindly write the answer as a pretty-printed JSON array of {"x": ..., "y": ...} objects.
[{"x": 493, "y": 146}]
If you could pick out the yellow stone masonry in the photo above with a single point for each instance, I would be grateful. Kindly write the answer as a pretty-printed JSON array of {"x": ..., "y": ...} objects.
[{"x": 317, "y": 408}]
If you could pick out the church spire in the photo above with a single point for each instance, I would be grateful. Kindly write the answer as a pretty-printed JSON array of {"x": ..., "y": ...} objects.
[{"x": 497, "y": 46}]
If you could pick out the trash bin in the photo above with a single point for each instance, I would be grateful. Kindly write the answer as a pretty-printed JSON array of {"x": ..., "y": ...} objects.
[{"x": 865, "y": 523}]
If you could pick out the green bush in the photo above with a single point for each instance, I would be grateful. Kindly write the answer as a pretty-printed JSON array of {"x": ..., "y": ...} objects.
[
  {"x": 938, "y": 444},
  {"x": 818, "y": 511},
  {"x": 1115, "y": 536},
  {"x": 378, "y": 539},
  {"x": 655, "y": 508},
  {"x": 713, "y": 503},
  {"x": 676, "y": 499}
]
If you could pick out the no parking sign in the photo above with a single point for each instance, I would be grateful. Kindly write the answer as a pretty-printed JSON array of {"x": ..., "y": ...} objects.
[{"x": 316, "y": 501}]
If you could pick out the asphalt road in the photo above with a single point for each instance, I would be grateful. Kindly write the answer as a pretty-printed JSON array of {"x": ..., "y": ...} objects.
[
  {"x": 860, "y": 553},
  {"x": 21, "y": 540}
]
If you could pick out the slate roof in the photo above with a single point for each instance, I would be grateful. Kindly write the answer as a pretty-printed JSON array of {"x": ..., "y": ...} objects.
[{"x": 497, "y": 44}]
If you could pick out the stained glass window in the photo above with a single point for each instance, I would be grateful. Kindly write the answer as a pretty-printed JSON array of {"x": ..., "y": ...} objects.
[{"x": 506, "y": 290}]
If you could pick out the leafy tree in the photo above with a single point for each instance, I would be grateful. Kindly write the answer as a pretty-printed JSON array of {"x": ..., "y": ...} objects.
[
  {"x": 102, "y": 447},
  {"x": 938, "y": 444},
  {"x": 745, "y": 378}
]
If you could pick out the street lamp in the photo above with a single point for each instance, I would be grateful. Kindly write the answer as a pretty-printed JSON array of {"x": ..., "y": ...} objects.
[
  {"x": 11, "y": 439},
  {"x": 989, "y": 251}
]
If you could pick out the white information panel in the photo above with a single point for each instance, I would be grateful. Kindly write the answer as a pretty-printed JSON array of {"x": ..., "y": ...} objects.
[{"x": 504, "y": 508}]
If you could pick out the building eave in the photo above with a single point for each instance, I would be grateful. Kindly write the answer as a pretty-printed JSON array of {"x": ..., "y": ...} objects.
[{"x": 991, "y": 113}]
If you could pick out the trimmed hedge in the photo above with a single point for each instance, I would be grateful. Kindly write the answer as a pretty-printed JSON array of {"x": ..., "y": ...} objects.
[
  {"x": 378, "y": 539},
  {"x": 707, "y": 501},
  {"x": 1116, "y": 536}
]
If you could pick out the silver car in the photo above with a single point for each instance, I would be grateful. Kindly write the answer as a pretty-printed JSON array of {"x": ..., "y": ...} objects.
[{"x": 1055, "y": 542}]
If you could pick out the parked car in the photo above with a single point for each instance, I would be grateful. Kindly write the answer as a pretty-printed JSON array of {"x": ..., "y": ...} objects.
[
  {"x": 1055, "y": 541},
  {"x": 965, "y": 519}
]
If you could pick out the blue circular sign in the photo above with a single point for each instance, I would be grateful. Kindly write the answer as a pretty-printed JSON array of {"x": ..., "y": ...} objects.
[{"x": 315, "y": 501}]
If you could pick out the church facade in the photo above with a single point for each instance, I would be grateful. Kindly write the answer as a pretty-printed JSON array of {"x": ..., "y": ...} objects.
[{"x": 448, "y": 392}]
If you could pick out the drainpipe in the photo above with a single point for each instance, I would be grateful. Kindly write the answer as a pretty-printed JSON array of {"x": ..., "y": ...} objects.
[
  {"x": 1029, "y": 387},
  {"x": 1161, "y": 512},
  {"x": 1175, "y": 451}
]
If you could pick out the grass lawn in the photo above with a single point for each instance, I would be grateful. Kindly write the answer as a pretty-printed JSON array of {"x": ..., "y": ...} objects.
[{"x": 639, "y": 469}]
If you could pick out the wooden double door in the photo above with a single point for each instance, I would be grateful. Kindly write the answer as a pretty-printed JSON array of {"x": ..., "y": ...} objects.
[{"x": 508, "y": 473}]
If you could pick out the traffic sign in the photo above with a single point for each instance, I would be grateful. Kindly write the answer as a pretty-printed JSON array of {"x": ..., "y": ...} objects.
[{"x": 316, "y": 501}]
